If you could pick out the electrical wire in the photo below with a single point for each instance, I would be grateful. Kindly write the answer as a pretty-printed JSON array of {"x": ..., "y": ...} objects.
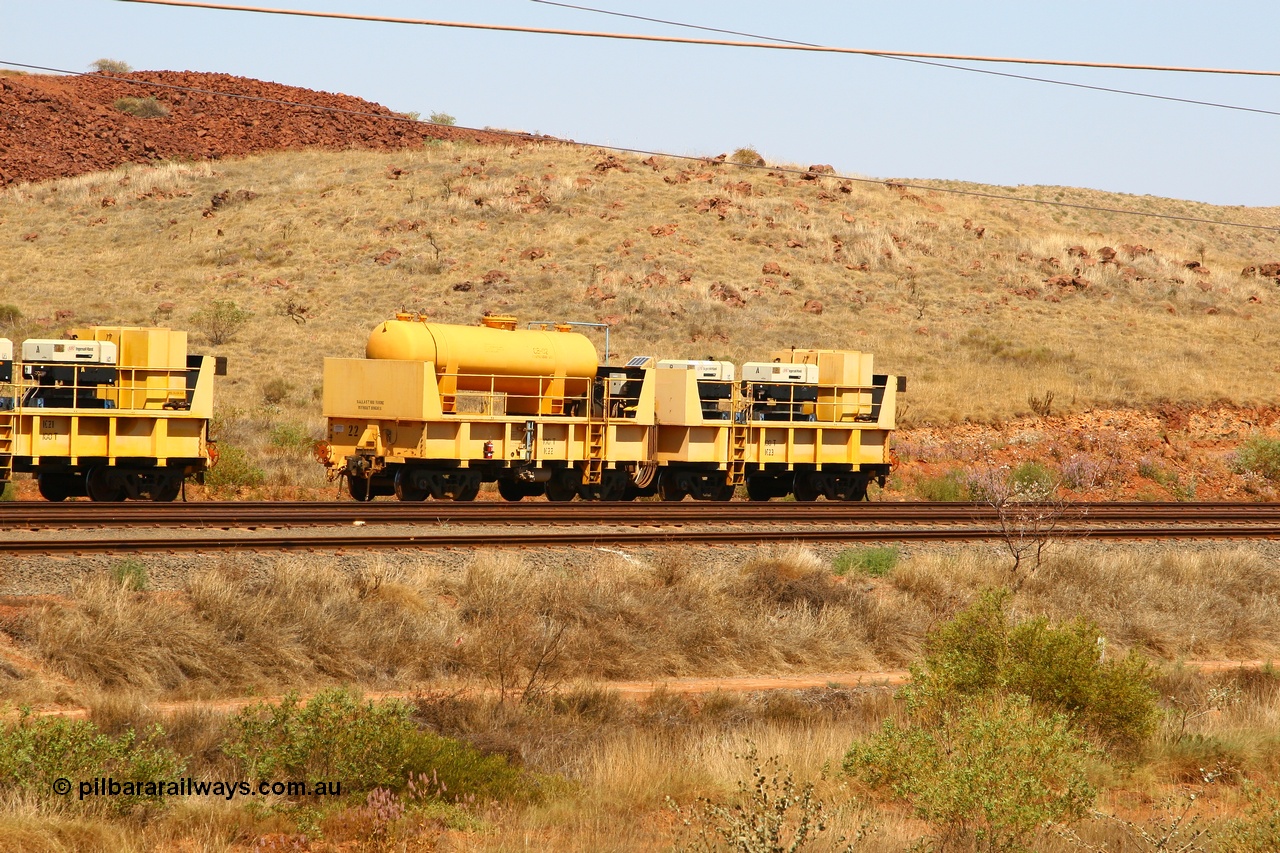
[
  {"x": 346, "y": 16},
  {"x": 525, "y": 137},
  {"x": 989, "y": 71}
]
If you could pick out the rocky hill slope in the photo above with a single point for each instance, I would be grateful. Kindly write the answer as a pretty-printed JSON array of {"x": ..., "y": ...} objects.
[{"x": 58, "y": 127}]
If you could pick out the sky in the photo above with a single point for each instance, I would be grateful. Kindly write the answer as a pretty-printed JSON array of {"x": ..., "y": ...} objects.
[{"x": 866, "y": 116}]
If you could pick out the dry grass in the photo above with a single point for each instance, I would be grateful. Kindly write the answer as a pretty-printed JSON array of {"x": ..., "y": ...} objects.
[
  {"x": 500, "y": 620},
  {"x": 353, "y": 236},
  {"x": 524, "y": 627},
  {"x": 378, "y": 623}
]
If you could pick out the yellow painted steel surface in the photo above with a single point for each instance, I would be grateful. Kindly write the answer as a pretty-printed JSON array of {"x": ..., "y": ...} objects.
[
  {"x": 156, "y": 413},
  {"x": 465, "y": 396},
  {"x": 478, "y": 352}
]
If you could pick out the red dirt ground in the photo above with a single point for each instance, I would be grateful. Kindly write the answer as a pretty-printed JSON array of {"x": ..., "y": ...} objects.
[{"x": 58, "y": 127}]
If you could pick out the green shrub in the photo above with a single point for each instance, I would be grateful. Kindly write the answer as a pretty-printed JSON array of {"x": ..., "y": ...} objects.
[
  {"x": 1032, "y": 479},
  {"x": 950, "y": 486},
  {"x": 131, "y": 572},
  {"x": 234, "y": 469},
  {"x": 1259, "y": 456},
  {"x": 444, "y": 119},
  {"x": 873, "y": 560},
  {"x": 987, "y": 772},
  {"x": 10, "y": 316},
  {"x": 746, "y": 156},
  {"x": 1258, "y": 829},
  {"x": 275, "y": 390},
  {"x": 37, "y": 751},
  {"x": 220, "y": 320},
  {"x": 111, "y": 66},
  {"x": 142, "y": 107},
  {"x": 366, "y": 745},
  {"x": 1061, "y": 668},
  {"x": 291, "y": 437}
]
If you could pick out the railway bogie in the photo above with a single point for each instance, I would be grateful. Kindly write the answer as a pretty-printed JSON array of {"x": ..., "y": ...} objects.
[{"x": 536, "y": 413}]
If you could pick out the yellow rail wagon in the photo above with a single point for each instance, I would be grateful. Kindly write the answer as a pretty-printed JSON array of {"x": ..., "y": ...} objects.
[
  {"x": 435, "y": 410},
  {"x": 110, "y": 412}
]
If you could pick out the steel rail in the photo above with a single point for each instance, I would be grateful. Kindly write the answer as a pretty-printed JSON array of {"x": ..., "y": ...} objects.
[
  {"x": 38, "y": 516},
  {"x": 444, "y": 537}
]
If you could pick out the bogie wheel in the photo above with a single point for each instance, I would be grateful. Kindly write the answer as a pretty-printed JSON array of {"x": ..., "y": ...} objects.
[
  {"x": 723, "y": 492},
  {"x": 104, "y": 485},
  {"x": 612, "y": 487},
  {"x": 511, "y": 490},
  {"x": 562, "y": 486},
  {"x": 761, "y": 488},
  {"x": 468, "y": 489},
  {"x": 806, "y": 488},
  {"x": 54, "y": 487},
  {"x": 670, "y": 488},
  {"x": 358, "y": 488},
  {"x": 858, "y": 490},
  {"x": 405, "y": 489},
  {"x": 167, "y": 488}
]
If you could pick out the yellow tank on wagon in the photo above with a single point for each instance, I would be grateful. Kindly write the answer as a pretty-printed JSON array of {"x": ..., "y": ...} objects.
[
  {"x": 111, "y": 412},
  {"x": 435, "y": 410}
]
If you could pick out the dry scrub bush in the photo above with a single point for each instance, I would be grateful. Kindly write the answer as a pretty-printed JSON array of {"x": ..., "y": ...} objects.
[
  {"x": 1062, "y": 669},
  {"x": 111, "y": 66},
  {"x": 770, "y": 814},
  {"x": 337, "y": 737},
  {"x": 618, "y": 619},
  {"x": 142, "y": 107},
  {"x": 988, "y": 774},
  {"x": 35, "y": 751},
  {"x": 1222, "y": 722},
  {"x": 1221, "y": 602},
  {"x": 993, "y": 744},
  {"x": 301, "y": 624},
  {"x": 115, "y": 638},
  {"x": 307, "y": 620},
  {"x": 1215, "y": 602},
  {"x": 524, "y": 629}
]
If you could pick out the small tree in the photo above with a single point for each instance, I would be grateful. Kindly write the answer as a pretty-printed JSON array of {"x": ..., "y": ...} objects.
[
  {"x": 111, "y": 66},
  {"x": 1027, "y": 507},
  {"x": 220, "y": 320}
]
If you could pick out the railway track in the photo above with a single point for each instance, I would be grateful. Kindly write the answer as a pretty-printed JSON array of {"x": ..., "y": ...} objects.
[
  {"x": 87, "y": 528},
  {"x": 75, "y": 514}
]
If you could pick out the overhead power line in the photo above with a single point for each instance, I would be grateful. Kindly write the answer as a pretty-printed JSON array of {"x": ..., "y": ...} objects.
[
  {"x": 346, "y": 16},
  {"x": 988, "y": 71},
  {"x": 525, "y": 137}
]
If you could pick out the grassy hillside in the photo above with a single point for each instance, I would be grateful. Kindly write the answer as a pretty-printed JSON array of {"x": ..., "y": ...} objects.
[{"x": 982, "y": 303}]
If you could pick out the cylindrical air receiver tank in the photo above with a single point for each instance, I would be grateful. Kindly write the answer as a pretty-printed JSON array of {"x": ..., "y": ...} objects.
[{"x": 529, "y": 366}]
